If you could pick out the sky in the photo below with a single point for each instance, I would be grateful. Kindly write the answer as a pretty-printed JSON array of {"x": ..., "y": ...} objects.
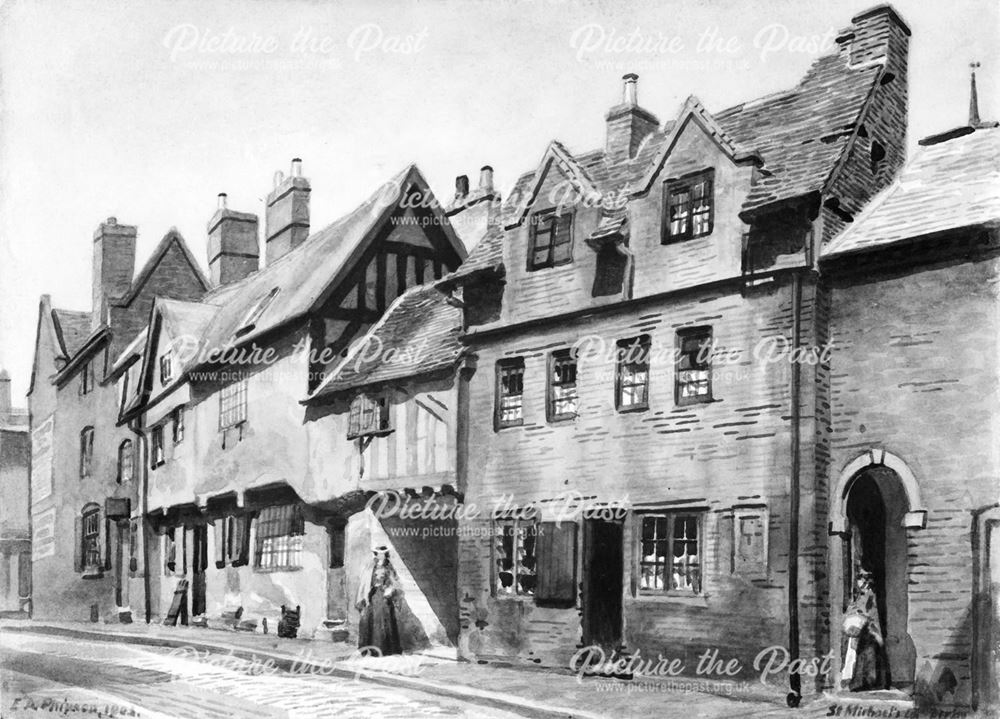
[{"x": 147, "y": 110}]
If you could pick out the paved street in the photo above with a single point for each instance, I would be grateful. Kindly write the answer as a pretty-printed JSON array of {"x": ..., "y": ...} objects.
[{"x": 40, "y": 673}]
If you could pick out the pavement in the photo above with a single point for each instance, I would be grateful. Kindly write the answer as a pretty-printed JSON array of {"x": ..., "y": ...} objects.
[{"x": 479, "y": 687}]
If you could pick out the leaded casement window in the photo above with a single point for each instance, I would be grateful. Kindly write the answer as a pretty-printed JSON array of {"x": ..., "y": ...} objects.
[
  {"x": 632, "y": 375},
  {"x": 551, "y": 239},
  {"x": 509, "y": 403},
  {"x": 86, "y": 451},
  {"x": 279, "y": 538},
  {"x": 90, "y": 537},
  {"x": 177, "y": 425},
  {"x": 125, "y": 462},
  {"x": 688, "y": 207},
  {"x": 694, "y": 366},
  {"x": 670, "y": 553},
  {"x": 369, "y": 415},
  {"x": 514, "y": 543},
  {"x": 562, "y": 394},
  {"x": 156, "y": 454},
  {"x": 233, "y": 405}
]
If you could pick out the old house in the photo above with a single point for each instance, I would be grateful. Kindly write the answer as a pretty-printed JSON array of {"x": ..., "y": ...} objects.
[
  {"x": 15, "y": 537},
  {"x": 402, "y": 398},
  {"x": 86, "y": 524},
  {"x": 909, "y": 301},
  {"x": 651, "y": 449},
  {"x": 245, "y": 490}
]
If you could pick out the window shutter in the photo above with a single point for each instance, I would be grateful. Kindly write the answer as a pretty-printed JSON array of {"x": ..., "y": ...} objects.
[
  {"x": 78, "y": 544},
  {"x": 241, "y": 541},
  {"x": 219, "y": 536},
  {"x": 556, "y": 562},
  {"x": 108, "y": 524}
]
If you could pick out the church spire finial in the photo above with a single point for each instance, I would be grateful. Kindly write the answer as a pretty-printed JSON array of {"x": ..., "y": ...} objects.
[{"x": 974, "y": 120}]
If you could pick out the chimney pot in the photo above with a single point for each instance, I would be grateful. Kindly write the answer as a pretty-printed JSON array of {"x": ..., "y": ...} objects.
[
  {"x": 297, "y": 167},
  {"x": 486, "y": 178},
  {"x": 113, "y": 221},
  {"x": 461, "y": 186},
  {"x": 630, "y": 95},
  {"x": 279, "y": 177},
  {"x": 222, "y": 200}
]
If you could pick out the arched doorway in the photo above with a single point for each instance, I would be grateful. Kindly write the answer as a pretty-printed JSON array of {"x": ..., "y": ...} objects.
[
  {"x": 876, "y": 540},
  {"x": 875, "y": 503}
]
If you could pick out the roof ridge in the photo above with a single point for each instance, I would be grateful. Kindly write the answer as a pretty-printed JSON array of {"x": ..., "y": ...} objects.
[{"x": 315, "y": 236}]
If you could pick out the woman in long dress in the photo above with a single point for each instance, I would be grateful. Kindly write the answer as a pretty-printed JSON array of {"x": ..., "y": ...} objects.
[
  {"x": 377, "y": 596},
  {"x": 866, "y": 664}
]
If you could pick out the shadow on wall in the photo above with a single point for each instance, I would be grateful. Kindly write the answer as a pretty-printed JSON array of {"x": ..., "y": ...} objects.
[
  {"x": 943, "y": 683},
  {"x": 426, "y": 610}
]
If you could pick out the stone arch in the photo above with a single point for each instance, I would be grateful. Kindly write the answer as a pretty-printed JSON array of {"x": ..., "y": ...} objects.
[{"x": 915, "y": 518}]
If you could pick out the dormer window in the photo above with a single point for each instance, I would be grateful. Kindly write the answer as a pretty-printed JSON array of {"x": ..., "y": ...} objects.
[
  {"x": 369, "y": 416},
  {"x": 253, "y": 316},
  {"x": 688, "y": 207},
  {"x": 551, "y": 239}
]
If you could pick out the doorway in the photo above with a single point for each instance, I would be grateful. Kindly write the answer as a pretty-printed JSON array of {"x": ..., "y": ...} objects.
[
  {"x": 199, "y": 563},
  {"x": 876, "y": 505},
  {"x": 603, "y": 587}
]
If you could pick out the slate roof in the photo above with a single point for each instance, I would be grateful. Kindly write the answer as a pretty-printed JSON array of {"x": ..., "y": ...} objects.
[
  {"x": 799, "y": 135},
  {"x": 73, "y": 329},
  {"x": 944, "y": 186},
  {"x": 420, "y": 327}
]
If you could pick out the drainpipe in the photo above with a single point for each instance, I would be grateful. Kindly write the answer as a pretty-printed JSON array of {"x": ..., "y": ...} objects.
[
  {"x": 144, "y": 508},
  {"x": 981, "y": 601},
  {"x": 794, "y": 678}
]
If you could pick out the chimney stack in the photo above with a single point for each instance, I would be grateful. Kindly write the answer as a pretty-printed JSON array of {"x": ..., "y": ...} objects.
[
  {"x": 486, "y": 179},
  {"x": 627, "y": 123},
  {"x": 286, "y": 222},
  {"x": 114, "y": 264},
  {"x": 233, "y": 247}
]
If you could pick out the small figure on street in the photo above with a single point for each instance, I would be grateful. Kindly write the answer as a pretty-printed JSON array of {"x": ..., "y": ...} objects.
[
  {"x": 377, "y": 595},
  {"x": 866, "y": 664}
]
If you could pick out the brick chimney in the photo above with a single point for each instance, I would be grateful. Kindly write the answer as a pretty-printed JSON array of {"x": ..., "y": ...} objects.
[
  {"x": 233, "y": 247},
  {"x": 286, "y": 224},
  {"x": 627, "y": 123},
  {"x": 114, "y": 264},
  {"x": 879, "y": 32}
]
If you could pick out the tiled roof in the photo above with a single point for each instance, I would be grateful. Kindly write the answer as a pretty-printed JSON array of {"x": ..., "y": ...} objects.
[
  {"x": 799, "y": 135},
  {"x": 172, "y": 237},
  {"x": 944, "y": 186},
  {"x": 422, "y": 330},
  {"x": 304, "y": 274},
  {"x": 73, "y": 328}
]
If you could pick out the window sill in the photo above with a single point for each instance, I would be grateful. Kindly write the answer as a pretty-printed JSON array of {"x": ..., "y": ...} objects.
[
  {"x": 520, "y": 598},
  {"x": 562, "y": 418},
  {"x": 633, "y": 408},
  {"x": 275, "y": 570},
  {"x": 509, "y": 425},
  {"x": 691, "y": 600},
  {"x": 693, "y": 402}
]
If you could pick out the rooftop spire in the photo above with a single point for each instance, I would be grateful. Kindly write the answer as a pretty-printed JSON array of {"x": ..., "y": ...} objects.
[{"x": 974, "y": 120}]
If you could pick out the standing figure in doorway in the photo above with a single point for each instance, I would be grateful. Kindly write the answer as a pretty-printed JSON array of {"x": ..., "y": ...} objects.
[
  {"x": 866, "y": 664},
  {"x": 378, "y": 592}
]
